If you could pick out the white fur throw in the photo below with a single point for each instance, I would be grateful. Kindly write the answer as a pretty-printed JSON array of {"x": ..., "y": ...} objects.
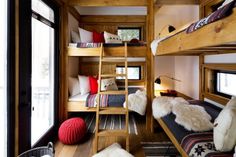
[
  {"x": 192, "y": 117},
  {"x": 137, "y": 102},
  {"x": 162, "y": 106},
  {"x": 113, "y": 150},
  {"x": 225, "y": 127}
]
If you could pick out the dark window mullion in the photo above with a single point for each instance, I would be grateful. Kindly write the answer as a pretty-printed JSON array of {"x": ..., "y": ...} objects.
[{"x": 42, "y": 19}]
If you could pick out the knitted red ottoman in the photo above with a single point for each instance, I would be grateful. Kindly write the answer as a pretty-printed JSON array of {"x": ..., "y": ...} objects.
[{"x": 72, "y": 131}]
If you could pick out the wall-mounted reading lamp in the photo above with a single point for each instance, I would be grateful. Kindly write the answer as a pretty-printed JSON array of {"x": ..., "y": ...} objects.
[{"x": 158, "y": 79}]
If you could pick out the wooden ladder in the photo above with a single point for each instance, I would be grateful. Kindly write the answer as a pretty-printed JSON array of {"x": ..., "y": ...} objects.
[{"x": 112, "y": 110}]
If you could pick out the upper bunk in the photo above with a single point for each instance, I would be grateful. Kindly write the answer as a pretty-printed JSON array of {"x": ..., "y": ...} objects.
[
  {"x": 214, "y": 38},
  {"x": 115, "y": 50}
]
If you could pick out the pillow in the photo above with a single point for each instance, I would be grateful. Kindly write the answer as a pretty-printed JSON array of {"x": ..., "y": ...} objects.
[
  {"x": 112, "y": 38},
  {"x": 108, "y": 84},
  {"x": 84, "y": 84},
  {"x": 85, "y": 36},
  {"x": 161, "y": 106},
  {"x": 93, "y": 85},
  {"x": 98, "y": 37},
  {"x": 75, "y": 37},
  {"x": 224, "y": 134},
  {"x": 225, "y": 3},
  {"x": 192, "y": 117},
  {"x": 113, "y": 150},
  {"x": 73, "y": 86}
]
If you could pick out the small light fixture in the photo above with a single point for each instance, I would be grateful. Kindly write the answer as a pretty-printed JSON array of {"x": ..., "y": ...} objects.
[{"x": 158, "y": 79}]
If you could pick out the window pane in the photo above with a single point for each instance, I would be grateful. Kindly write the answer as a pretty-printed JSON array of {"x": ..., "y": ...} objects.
[
  {"x": 226, "y": 83},
  {"x": 41, "y": 8},
  {"x": 129, "y": 33},
  {"x": 133, "y": 72},
  {"x": 3, "y": 74},
  {"x": 42, "y": 79}
]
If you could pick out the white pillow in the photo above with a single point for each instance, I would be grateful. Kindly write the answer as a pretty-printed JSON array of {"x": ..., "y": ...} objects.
[
  {"x": 192, "y": 117},
  {"x": 161, "y": 106},
  {"x": 84, "y": 84},
  {"x": 225, "y": 127},
  {"x": 108, "y": 84},
  {"x": 75, "y": 37},
  {"x": 73, "y": 86},
  {"x": 113, "y": 150},
  {"x": 111, "y": 38},
  {"x": 85, "y": 36}
]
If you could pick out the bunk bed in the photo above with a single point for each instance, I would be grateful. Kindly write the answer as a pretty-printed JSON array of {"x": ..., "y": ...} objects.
[{"x": 214, "y": 38}]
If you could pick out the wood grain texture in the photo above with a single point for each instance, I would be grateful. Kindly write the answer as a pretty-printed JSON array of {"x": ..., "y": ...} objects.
[
  {"x": 108, "y": 2},
  {"x": 218, "y": 33},
  {"x": 178, "y": 2}
]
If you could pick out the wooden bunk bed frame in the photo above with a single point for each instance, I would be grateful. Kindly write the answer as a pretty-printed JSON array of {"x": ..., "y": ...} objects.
[{"x": 215, "y": 38}]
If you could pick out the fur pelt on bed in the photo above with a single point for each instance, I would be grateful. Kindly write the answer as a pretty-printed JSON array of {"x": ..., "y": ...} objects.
[
  {"x": 113, "y": 150},
  {"x": 162, "y": 106},
  {"x": 137, "y": 102},
  {"x": 192, "y": 117}
]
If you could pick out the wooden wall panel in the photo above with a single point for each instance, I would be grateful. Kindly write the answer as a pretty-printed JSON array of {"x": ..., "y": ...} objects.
[{"x": 108, "y": 2}]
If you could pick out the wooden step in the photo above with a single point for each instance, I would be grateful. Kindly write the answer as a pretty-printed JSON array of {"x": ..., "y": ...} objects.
[
  {"x": 113, "y": 133},
  {"x": 115, "y": 92},
  {"x": 119, "y": 60},
  {"x": 113, "y": 75},
  {"x": 113, "y": 110}
]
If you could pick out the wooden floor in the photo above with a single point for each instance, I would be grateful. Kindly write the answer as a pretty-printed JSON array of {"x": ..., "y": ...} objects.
[{"x": 84, "y": 149}]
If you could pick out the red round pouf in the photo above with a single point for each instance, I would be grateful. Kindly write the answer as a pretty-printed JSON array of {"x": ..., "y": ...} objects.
[{"x": 72, "y": 131}]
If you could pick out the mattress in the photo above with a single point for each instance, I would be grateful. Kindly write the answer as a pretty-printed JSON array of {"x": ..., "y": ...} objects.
[
  {"x": 94, "y": 45},
  {"x": 79, "y": 97}
]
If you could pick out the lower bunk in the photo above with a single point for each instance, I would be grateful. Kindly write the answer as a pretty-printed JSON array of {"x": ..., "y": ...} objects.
[{"x": 190, "y": 143}]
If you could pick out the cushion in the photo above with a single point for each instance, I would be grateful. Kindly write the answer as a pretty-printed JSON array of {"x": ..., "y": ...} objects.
[
  {"x": 112, "y": 38},
  {"x": 98, "y": 37},
  {"x": 225, "y": 3},
  {"x": 85, "y": 36},
  {"x": 72, "y": 131},
  {"x": 84, "y": 84},
  {"x": 108, "y": 84},
  {"x": 93, "y": 85},
  {"x": 134, "y": 40},
  {"x": 75, "y": 37},
  {"x": 224, "y": 133},
  {"x": 113, "y": 150},
  {"x": 192, "y": 117},
  {"x": 73, "y": 86}
]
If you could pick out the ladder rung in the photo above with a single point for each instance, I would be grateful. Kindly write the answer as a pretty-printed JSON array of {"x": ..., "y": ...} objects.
[
  {"x": 113, "y": 110},
  {"x": 114, "y": 60},
  {"x": 113, "y": 133},
  {"x": 118, "y": 92},
  {"x": 113, "y": 75}
]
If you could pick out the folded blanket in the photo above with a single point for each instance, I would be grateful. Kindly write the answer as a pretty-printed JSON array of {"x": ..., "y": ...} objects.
[
  {"x": 137, "y": 102},
  {"x": 215, "y": 16},
  {"x": 92, "y": 100}
]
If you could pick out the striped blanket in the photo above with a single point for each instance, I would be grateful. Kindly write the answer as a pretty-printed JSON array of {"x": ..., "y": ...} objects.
[
  {"x": 215, "y": 16},
  {"x": 92, "y": 100},
  {"x": 201, "y": 145}
]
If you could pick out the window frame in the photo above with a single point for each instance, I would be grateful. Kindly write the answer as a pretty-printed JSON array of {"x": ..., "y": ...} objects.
[
  {"x": 130, "y": 28},
  {"x": 215, "y": 82},
  {"x": 133, "y": 66}
]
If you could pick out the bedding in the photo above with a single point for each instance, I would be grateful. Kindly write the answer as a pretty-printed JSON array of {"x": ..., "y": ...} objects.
[
  {"x": 78, "y": 97},
  {"x": 75, "y": 37},
  {"x": 94, "y": 45},
  {"x": 112, "y": 38},
  {"x": 73, "y": 86},
  {"x": 85, "y": 36},
  {"x": 84, "y": 84},
  {"x": 200, "y": 143}
]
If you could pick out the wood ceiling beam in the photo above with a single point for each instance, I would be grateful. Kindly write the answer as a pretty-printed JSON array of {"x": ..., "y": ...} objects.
[
  {"x": 176, "y": 2},
  {"x": 107, "y": 2}
]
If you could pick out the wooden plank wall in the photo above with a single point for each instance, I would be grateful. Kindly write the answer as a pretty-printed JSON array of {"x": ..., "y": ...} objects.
[{"x": 110, "y": 23}]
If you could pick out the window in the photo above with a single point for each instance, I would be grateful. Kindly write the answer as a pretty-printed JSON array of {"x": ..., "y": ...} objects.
[
  {"x": 3, "y": 80},
  {"x": 128, "y": 33},
  {"x": 42, "y": 81},
  {"x": 225, "y": 84},
  {"x": 134, "y": 72}
]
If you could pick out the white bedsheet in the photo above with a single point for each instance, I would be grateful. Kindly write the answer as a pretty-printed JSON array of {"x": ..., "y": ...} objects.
[{"x": 79, "y": 97}]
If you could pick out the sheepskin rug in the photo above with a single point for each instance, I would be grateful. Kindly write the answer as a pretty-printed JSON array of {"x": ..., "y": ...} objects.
[
  {"x": 113, "y": 150},
  {"x": 192, "y": 117}
]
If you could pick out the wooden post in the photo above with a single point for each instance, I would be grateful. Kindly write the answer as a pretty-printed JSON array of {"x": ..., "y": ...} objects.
[
  {"x": 201, "y": 77},
  {"x": 150, "y": 62}
]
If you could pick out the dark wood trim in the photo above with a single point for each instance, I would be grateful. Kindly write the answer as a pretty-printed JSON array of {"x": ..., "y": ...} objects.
[{"x": 74, "y": 13}]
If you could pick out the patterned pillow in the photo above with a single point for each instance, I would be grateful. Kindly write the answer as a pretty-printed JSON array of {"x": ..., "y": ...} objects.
[
  {"x": 112, "y": 38},
  {"x": 108, "y": 84}
]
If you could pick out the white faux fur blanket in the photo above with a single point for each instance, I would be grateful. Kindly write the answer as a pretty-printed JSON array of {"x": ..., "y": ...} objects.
[
  {"x": 113, "y": 150},
  {"x": 191, "y": 117},
  {"x": 137, "y": 102}
]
